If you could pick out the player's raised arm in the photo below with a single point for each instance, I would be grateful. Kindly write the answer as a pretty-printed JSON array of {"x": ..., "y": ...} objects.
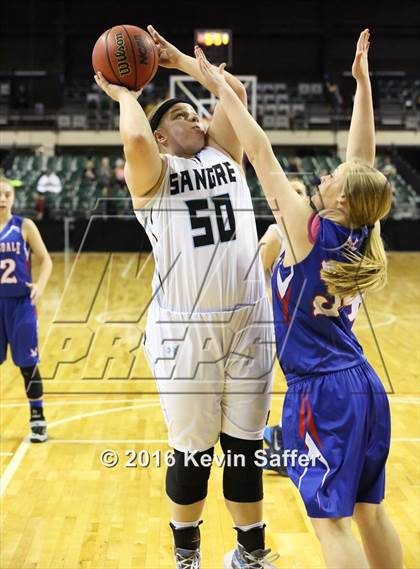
[
  {"x": 143, "y": 162},
  {"x": 220, "y": 131},
  {"x": 290, "y": 211},
  {"x": 361, "y": 142}
]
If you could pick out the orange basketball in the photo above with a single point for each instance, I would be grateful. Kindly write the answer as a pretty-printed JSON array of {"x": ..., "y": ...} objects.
[{"x": 126, "y": 55}]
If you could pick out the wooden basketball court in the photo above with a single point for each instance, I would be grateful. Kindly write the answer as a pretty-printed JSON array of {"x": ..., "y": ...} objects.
[{"x": 61, "y": 508}]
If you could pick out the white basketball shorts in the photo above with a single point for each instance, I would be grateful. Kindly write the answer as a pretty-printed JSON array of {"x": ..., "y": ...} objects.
[{"x": 213, "y": 371}]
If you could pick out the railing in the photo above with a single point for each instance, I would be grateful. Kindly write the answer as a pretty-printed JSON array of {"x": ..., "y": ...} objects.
[{"x": 57, "y": 120}]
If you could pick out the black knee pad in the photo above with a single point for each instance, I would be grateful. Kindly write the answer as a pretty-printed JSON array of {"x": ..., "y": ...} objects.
[
  {"x": 33, "y": 382},
  {"x": 242, "y": 478},
  {"x": 187, "y": 479}
]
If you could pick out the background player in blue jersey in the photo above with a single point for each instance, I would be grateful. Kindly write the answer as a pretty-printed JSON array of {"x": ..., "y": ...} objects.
[
  {"x": 19, "y": 237},
  {"x": 336, "y": 412}
]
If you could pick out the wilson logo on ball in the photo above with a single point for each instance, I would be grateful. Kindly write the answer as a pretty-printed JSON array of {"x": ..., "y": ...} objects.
[{"x": 121, "y": 55}]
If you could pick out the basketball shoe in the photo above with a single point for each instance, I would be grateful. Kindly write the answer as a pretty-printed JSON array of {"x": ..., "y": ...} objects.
[
  {"x": 241, "y": 559},
  {"x": 275, "y": 452},
  {"x": 187, "y": 558},
  {"x": 38, "y": 431}
]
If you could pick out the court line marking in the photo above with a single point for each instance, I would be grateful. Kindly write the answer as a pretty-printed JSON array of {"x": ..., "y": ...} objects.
[
  {"x": 165, "y": 441},
  {"x": 25, "y": 444},
  {"x": 14, "y": 465},
  {"x": 6, "y": 453},
  {"x": 128, "y": 266},
  {"x": 105, "y": 441},
  {"x": 391, "y": 318},
  {"x": 103, "y": 412},
  {"x": 414, "y": 400},
  {"x": 107, "y": 401}
]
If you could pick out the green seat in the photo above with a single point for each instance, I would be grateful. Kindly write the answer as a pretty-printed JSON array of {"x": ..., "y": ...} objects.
[
  {"x": 37, "y": 162},
  {"x": 51, "y": 162}
]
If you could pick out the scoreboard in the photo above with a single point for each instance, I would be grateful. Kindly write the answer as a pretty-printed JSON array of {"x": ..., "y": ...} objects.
[{"x": 216, "y": 44}]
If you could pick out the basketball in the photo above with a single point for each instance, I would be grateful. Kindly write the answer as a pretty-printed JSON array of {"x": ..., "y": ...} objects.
[{"x": 126, "y": 55}]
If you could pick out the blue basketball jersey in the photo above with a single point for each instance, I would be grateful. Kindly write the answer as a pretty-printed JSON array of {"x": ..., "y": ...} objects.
[
  {"x": 15, "y": 260},
  {"x": 313, "y": 328}
]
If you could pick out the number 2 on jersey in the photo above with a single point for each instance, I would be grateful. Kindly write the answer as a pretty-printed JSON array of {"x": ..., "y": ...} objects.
[
  {"x": 224, "y": 216},
  {"x": 8, "y": 266}
]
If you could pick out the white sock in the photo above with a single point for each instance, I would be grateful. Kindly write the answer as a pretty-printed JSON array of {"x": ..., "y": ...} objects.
[
  {"x": 251, "y": 526},
  {"x": 183, "y": 525}
]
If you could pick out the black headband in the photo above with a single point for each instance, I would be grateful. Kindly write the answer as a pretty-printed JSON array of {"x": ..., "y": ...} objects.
[{"x": 157, "y": 116}]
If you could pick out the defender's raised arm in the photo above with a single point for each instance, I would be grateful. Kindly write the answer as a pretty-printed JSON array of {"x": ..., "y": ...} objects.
[
  {"x": 361, "y": 142},
  {"x": 220, "y": 130},
  {"x": 290, "y": 211}
]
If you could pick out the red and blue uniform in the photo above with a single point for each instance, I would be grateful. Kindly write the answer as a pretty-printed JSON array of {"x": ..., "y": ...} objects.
[
  {"x": 336, "y": 412},
  {"x": 18, "y": 319}
]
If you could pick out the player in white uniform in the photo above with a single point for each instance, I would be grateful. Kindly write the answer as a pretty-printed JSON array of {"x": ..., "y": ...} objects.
[{"x": 209, "y": 335}]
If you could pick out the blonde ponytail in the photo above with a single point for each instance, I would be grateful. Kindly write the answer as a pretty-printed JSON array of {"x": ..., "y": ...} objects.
[
  {"x": 369, "y": 198},
  {"x": 360, "y": 272}
]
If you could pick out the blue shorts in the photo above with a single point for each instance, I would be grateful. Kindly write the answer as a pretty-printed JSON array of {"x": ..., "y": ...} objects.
[
  {"x": 341, "y": 423},
  {"x": 19, "y": 328}
]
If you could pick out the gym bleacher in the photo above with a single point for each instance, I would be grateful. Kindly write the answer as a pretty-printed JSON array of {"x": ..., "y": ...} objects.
[
  {"x": 281, "y": 105},
  {"x": 80, "y": 197}
]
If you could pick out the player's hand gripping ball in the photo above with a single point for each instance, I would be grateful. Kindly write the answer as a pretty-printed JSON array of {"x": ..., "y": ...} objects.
[{"x": 126, "y": 55}]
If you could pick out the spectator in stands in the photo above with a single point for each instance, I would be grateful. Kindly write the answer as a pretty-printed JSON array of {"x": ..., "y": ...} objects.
[
  {"x": 407, "y": 99},
  {"x": 105, "y": 172},
  {"x": 48, "y": 183},
  {"x": 295, "y": 164},
  {"x": 106, "y": 180},
  {"x": 388, "y": 168},
  {"x": 40, "y": 152},
  {"x": 89, "y": 174},
  {"x": 119, "y": 173}
]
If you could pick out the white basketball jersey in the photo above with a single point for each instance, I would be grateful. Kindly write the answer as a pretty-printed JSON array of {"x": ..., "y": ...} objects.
[{"x": 202, "y": 229}]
